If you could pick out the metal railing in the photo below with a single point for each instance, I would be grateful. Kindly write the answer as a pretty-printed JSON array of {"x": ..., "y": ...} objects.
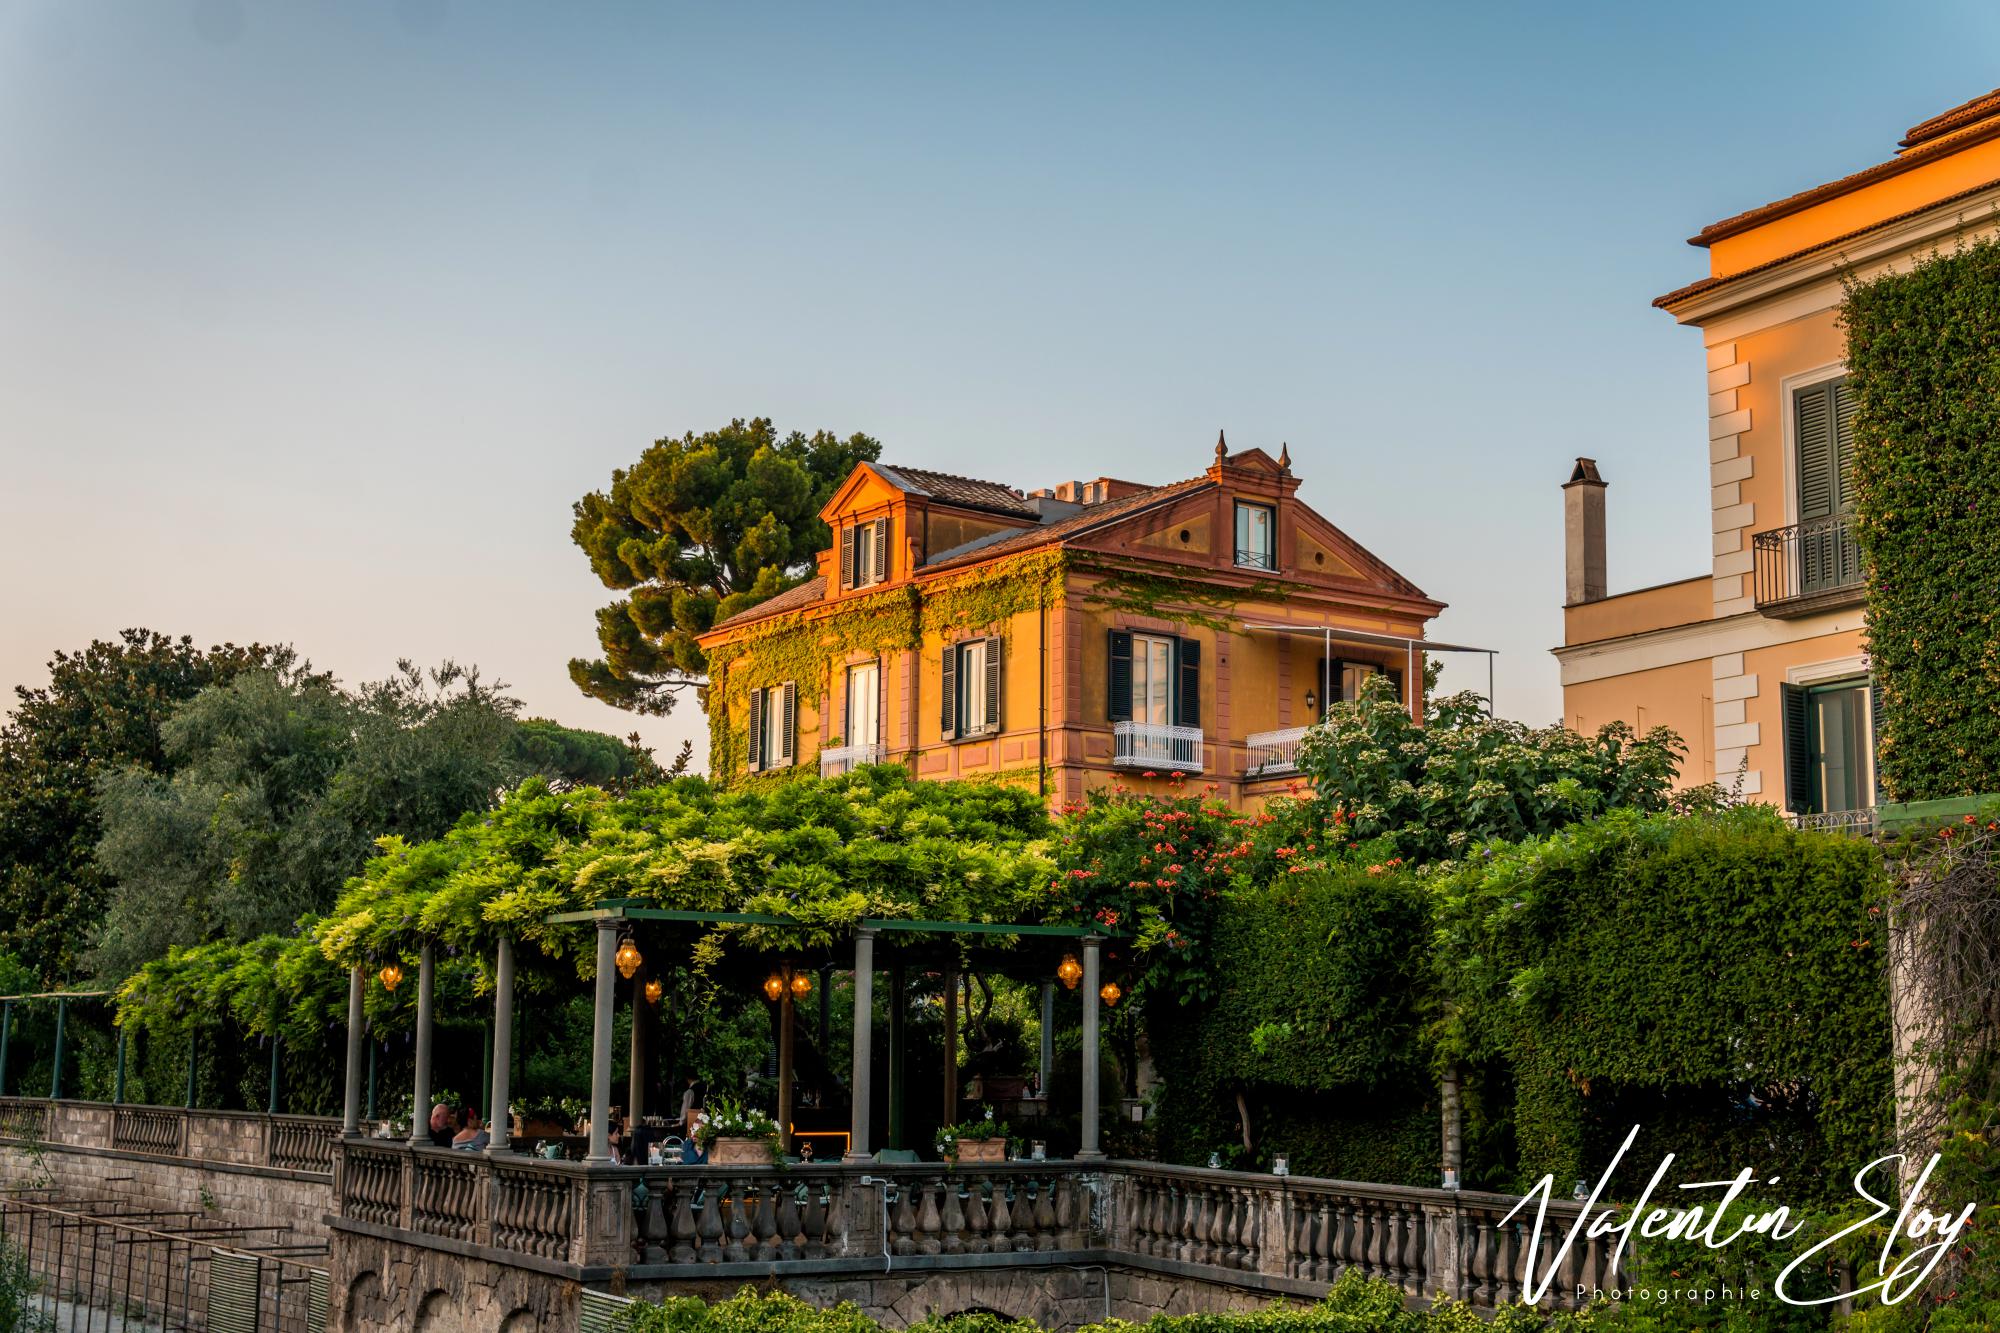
[
  {"x": 119, "y": 1264},
  {"x": 1274, "y": 752},
  {"x": 1152, "y": 746},
  {"x": 838, "y": 759},
  {"x": 1862, "y": 821},
  {"x": 1808, "y": 567}
]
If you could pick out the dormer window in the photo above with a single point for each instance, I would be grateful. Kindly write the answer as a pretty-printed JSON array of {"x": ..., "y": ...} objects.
[
  {"x": 1256, "y": 536},
  {"x": 864, "y": 553}
]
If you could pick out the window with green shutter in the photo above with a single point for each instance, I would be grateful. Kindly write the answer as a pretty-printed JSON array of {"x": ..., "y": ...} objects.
[{"x": 1829, "y": 746}]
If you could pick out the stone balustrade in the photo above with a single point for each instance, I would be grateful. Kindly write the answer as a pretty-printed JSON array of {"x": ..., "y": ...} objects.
[
  {"x": 303, "y": 1145},
  {"x": 1288, "y": 1234}
]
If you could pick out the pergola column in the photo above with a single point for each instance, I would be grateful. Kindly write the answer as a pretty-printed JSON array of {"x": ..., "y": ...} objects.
[
  {"x": 1048, "y": 1053},
  {"x": 420, "y": 1099},
  {"x": 600, "y": 1041},
  {"x": 864, "y": 1034},
  {"x": 635, "y": 1083},
  {"x": 55, "y": 1075},
  {"x": 787, "y": 1015},
  {"x": 499, "y": 1121},
  {"x": 1088, "y": 1151},
  {"x": 350, "y": 1119}
]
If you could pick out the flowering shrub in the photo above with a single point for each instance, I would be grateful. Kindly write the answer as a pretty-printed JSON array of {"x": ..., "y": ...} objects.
[
  {"x": 726, "y": 1118},
  {"x": 971, "y": 1131},
  {"x": 1433, "y": 792}
]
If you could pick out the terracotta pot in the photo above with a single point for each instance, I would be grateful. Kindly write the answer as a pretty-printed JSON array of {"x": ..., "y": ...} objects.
[
  {"x": 982, "y": 1150},
  {"x": 730, "y": 1151}
]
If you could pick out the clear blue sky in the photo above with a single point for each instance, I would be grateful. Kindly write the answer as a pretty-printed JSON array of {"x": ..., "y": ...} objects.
[{"x": 314, "y": 319}]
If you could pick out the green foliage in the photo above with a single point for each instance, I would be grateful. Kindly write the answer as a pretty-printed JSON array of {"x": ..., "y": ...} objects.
[
  {"x": 698, "y": 529},
  {"x": 1354, "y": 1305},
  {"x": 281, "y": 784},
  {"x": 102, "y": 709},
  {"x": 1715, "y": 978},
  {"x": 1436, "y": 791},
  {"x": 1923, "y": 354},
  {"x": 21, "y": 1293}
]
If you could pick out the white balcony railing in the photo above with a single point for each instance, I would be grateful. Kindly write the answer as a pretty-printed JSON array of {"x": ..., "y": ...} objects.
[
  {"x": 1274, "y": 752},
  {"x": 838, "y": 759},
  {"x": 1145, "y": 745}
]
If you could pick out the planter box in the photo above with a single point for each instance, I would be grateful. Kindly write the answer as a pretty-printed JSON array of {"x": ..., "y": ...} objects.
[
  {"x": 982, "y": 1150},
  {"x": 537, "y": 1127},
  {"x": 739, "y": 1152}
]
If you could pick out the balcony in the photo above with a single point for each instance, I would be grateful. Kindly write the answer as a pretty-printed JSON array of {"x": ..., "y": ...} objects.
[
  {"x": 1274, "y": 753},
  {"x": 838, "y": 759},
  {"x": 1151, "y": 746},
  {"x": 1808, "y": 567}
]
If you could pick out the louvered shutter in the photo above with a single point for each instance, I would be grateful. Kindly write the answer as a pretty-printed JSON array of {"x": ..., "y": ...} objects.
[
  {"x": 1843, "y": 409},
  {"x": 1396, "y": 686},
  {"x": 754, "y": 755},
  {"x": 1118, "y": 678},
  {"x": 1819, "y": 477},
  {"x": 881, "y": 570},
  {"x": 1187, "y": 684},
  {"x": 847, "y": 556},
  {"x": 992, "y": 686},
  {"x": 948, "y": 694},
  {"x": 1798, "y": 749},
  {"x": 1336, "y": 684},
  {"x": 235, "y": 1289},
  {"x": 787, "y": 724}
]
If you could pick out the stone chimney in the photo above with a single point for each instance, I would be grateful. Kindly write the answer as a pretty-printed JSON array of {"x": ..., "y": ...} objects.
[{"x": 1583, "y": 534}]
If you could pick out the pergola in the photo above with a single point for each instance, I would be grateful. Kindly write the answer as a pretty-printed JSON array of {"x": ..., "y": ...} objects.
[{"x": 978, "y": 946}]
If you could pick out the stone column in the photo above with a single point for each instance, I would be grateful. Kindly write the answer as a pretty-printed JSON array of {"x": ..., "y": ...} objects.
[
  {"x": 1093, "y": 947},
  {"x": 350, "y": 1119},
  {"x": 420, "y": 1100},
  {"x": 864, "y": 1040},
  {"x": 118, "y": 1078},
  {"x": 951, "y": 1046},
  {"x": 787, "y": 1016},
  {"x": 1453, "y": 1162},
  {"x": 55, "y": 1075},
  {"x": 500, "y": 1124},
  {"x": 600, "y": 1041}
]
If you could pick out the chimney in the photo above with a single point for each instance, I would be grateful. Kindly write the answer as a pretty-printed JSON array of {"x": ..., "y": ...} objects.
[{"x": 1583, "y": 534}]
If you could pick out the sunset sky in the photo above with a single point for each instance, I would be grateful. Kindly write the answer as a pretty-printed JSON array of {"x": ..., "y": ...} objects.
[{"x": 314, "y": 320}]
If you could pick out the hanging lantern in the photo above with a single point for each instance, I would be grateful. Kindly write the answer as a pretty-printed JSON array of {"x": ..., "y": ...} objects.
[
  {"x": 654, "y": 990},
  {"x": 774, "y": 987},
  {"x": 1110, "y": 992},
  {"x": 629, "y": 958},
  {"x": 802, "y": 984},
  {"x": 390, "y": 976},
  {"x": 1069, "y": 970}
]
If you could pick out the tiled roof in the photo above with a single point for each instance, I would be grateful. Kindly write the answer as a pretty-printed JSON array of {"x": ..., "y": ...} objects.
[
  {"x": 1090, "y": 517},
  {"x": 1937, "y": 140},
  {"x": 969, "y": 491},
  {"x": 805, "y": 594}
]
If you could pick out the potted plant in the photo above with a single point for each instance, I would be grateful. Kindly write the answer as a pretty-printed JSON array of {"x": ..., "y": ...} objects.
[
  {"x": 974, "y": 1141},
  {"x": 733, "y": 1134}
]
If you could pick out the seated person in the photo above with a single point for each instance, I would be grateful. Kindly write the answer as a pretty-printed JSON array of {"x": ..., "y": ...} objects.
[
  {"x": 472, "y": 1133},
  {"x": 443, "y": 1126}
]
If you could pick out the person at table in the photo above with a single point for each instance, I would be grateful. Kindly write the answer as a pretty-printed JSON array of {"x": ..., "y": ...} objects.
[
  {"x": 471, "y": 1132},
  {"x": 691, "y": 1100},
  {"x": 443, "y": 1127}
]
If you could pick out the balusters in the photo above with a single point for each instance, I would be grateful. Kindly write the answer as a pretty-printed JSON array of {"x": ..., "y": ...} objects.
[
  {"x": 708, "y": 1231},
  {"x": 928, "y": 1222},
  {"x": 953, "y": 1238},
  {"x": 790, "y": 1241},
  {"x": 904, "y": 1219},
  {"x": 1045, "y": 1213},
  {"x": 683, "y": 1223},
  {"x": 815, "y": 1222},
  {"x": 977, "y": 1222}
]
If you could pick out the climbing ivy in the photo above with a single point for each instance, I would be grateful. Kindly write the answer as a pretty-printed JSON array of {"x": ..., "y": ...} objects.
[{"x": 1923, "y": 357}]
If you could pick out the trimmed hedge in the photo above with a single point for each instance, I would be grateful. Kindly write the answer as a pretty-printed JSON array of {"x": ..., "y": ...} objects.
[
  {"x": 1923, "y": 356},
  {"x": 1717, "y": 979}
]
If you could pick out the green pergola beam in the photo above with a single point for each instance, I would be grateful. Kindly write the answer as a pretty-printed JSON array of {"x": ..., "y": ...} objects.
[{"x": 621, "y": 910}]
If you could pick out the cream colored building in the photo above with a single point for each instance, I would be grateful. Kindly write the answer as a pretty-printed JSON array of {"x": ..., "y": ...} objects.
[{"x": 1759, "y": 660}]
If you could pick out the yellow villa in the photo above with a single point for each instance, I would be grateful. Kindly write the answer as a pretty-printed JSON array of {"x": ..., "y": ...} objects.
[
  {"x": 1759, "y": 660},
  {"x": 1067, "y": 637}
]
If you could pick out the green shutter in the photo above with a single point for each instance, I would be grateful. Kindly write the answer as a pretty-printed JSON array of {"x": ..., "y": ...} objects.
[
  {"x": 948, "y": 694},
  {"x": 1798, "y": 748},
  {"x": 1187, "y": 684},
  {"x": 1819, "y": 476},
  {"x": 788, "y": 700},
  {"x": 753, "y": 758},
  {"x": 1118, "y": 678},
  {"x": 992, "y": 685},
  {"x": 1875, "y": 734},
  {"x": 881, "y": 571},
  {"x": 1843, "y": 409},
  {"x": 847, "y": 556}
]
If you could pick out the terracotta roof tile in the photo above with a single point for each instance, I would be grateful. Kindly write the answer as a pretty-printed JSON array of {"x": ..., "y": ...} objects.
[
  {"x": 1051, "y": 533},
  {"x": 952, "y": 489},
  {"x": 805, "y": 594},
  {"x": 1977, "y": 108}
]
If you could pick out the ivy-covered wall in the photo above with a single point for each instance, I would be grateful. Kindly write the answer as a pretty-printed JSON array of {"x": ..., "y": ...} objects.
[{"x": 1923, "y": 354}]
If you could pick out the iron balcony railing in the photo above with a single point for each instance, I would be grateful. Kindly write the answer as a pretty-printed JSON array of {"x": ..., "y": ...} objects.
[
  {"x": 1150, "y": 745},
  {"x": 1274, "y": 752},
  {"x": 838, "y": 759},
  {"x": 1808, "y": 567},
  {"x": 1250, "y": 558}
]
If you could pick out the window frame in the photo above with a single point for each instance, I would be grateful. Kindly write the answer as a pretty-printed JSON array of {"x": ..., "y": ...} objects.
[
  {"x": 1239, "y": 531},
  {"x": 872, "y": 667}
]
